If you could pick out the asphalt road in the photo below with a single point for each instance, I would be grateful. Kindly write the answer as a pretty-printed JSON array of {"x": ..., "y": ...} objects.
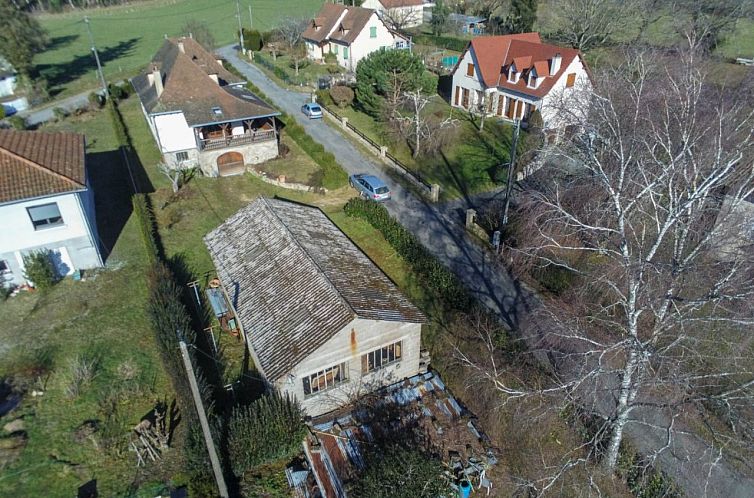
[
  {"x": 36, "y": 116},
  {"x": 692, "y": 464}
]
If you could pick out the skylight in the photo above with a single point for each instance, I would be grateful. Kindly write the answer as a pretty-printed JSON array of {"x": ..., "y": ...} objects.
[{"x": 217, "y": 111}]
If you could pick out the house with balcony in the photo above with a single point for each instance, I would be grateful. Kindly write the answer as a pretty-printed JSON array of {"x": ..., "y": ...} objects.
[
  {"x": 322, "y": 322},
  {"x": 349, "y": 34},
  {"x": 201, "y": 115},
  {"x": 511, "y": 76},
  {"x": 46, "y": 203}
]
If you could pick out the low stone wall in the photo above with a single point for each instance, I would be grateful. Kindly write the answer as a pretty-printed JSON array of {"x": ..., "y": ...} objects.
[
  {"x": 253, "y": 153},
  {"x": 280, "y": 182}
]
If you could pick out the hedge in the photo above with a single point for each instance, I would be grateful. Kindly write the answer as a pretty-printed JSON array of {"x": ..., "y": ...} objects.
[
  {"x": 449, "y": 42},
  {"x": 433, "y": 274},
  {"x": 145, "y": 218}
]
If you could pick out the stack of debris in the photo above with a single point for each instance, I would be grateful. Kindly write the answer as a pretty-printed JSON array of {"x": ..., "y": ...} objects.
[{"x": 335, "y": 448}]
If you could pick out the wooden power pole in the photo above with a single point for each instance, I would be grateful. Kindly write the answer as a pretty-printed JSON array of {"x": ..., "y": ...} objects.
[
  {"x": 509, "y": 186},
  {"x": 216, "y": 468}
]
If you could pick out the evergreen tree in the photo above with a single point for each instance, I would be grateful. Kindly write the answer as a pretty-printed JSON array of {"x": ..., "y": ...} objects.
[
  {"x": 21, "y": 37},
  {"x": 523, "y": 15}
]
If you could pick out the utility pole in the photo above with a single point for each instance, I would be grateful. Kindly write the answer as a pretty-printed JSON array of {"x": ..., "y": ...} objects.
[
  {"x": 511, "y": 167},
  {"x": 240, "y": 28},
  {"x": 216, "y": 468},
  {"x": 251, "y": 20},
  {"x": 96, "y": 58}
]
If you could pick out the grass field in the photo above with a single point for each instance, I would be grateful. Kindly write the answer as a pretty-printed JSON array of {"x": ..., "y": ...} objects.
[{"x": 128, "y": 36}]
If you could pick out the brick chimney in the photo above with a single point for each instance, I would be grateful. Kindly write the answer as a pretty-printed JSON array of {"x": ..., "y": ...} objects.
[
  {"x": 157, "y": 79},
  {"x": 555, "y": 64}
]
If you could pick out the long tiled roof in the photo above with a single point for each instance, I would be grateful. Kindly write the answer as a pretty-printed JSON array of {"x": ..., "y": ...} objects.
[
  {"x": 495, "y": 54},
  {"x": 296, "y": 280},
  {"x": 35, "y": 164},
  {"x": 188, "y": 87},
  {"x": 326, "y": 22}
]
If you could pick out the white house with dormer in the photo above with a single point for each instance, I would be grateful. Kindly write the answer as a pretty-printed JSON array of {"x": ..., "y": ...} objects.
[
  {"x": 511, "y": 76},
  {"x": 350, "y": 34}
]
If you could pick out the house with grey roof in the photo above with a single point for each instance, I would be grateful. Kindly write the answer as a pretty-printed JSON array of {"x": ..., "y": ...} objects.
[
  {"x": 202, "y": 115},
  {"x": 322, "y": 322},
  {"x": 349, "y": 34}
]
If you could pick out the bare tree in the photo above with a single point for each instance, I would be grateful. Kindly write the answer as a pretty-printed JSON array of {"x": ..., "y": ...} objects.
[
  {"x": 290, "y": 33},
  {"x": 424, "y": 132},
  {"x": 585, "y": 24},
  {"x": 653, "y": 332},
  {"x": 400, "y": 19},
  {"x": 178, "y": 175}
]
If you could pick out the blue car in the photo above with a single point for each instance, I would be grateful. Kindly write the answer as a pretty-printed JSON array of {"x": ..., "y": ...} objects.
[
  {"x": 314, "y": 111},
  {"x": 370, "y": 187}
]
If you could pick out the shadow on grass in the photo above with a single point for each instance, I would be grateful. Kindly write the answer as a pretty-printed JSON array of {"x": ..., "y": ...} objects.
[
  {"x": 57, "y": 42},
  {"x": 58, "y": 75}
]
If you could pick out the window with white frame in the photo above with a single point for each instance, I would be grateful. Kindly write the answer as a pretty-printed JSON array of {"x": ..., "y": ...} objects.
[
  {"x": 381, "y": 357},
  {"x": 4, "y": 267},
  {"x": 181, "y": 156},
  {"x": 45, "y": 216},
  {"x": 325, "y": 379}
]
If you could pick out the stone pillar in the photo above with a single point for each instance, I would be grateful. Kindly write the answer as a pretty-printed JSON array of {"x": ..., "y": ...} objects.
[
  {"x": 314, "y": 96},
  {"x": 344, "y": 122},
  {"x": 434, "y": 192},
  {"x": 383, "y": 150},
  {"x": 470, "y": 216}
]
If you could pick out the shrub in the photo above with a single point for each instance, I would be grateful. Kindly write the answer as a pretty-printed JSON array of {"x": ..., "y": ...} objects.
[
  {"x": 119, "y": 92},
  {"x": 252, "y": 40},
  {"x": 341, "y": 95},
  {"x": 323, "y": 97},
  {"x": 432, "y": 273},
  {"x": 145, "y": 218},
  {"x": 398, "y": 471},
  {"x": 330, "y": 58},
  {"x": 17, "y": 122},
  {"x": 59, "y": 113},
  {"x": 96, "y": 101},
  {"x": 269, "y": 429},
  {"x": 2, "y": 111},
  {"x": 120, "y": 129},
  {"x": 39, "y": 269}
]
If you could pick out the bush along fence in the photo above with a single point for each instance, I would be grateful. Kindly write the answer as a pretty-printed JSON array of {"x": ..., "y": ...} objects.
[
  {"x": 171, "y": 323},
  {"x": 333, "y": 175},
  {"x": 429, "y": 269},
  {"x": 431, "y": 191}
]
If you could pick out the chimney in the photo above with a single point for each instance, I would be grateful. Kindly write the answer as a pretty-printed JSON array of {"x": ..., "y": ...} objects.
[
  {"x": 181, "y": 47},
  {"x": 219, "y": 61},
  {"x": 555, "y": 64},
  {"x": 157, "y": 78},
  {"x": 214, "y": 78}
]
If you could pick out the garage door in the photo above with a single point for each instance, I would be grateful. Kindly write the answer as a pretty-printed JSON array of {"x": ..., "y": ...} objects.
[{"x": 230, "y": 163}]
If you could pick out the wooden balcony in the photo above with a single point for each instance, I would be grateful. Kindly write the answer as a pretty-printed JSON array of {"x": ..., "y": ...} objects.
[{"x": 215, "y": 143}]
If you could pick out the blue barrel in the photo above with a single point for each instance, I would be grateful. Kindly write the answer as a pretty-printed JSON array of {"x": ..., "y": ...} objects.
[{"x": 464, "y": 489}]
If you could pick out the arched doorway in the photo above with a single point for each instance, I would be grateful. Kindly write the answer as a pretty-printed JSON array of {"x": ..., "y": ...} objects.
[{"x": 230, "y": 163}]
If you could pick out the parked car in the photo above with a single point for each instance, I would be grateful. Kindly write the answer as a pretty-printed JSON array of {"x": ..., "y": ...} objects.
[
  {"x": 314, "y": 111},
  {"x": 370, "y": 187}
]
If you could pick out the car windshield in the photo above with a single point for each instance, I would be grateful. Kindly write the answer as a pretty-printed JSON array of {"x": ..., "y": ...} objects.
[
  {"x": 382, "y": 190},
  {"x": 314, "y": 107}
]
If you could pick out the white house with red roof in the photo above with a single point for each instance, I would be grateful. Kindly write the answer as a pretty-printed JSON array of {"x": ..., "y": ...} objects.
[
  {"x": 511, "y": 76},
  {"x": 407, "y": 13}
]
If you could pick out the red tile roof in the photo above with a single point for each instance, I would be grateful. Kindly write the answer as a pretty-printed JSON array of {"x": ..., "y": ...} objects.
[
  {"x": 494, "y": 55},
  {"x": 35, "y": 164}
]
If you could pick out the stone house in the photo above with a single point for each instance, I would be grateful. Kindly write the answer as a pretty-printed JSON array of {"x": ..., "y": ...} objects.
[
  {"x": 322, "y": 322},
  {"x": 46, "y": 203},
  {"x": 202, "y": 115}
]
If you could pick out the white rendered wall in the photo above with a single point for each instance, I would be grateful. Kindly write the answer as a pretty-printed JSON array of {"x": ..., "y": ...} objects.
[
  {"x": 173, "y": 132},
  {"x": 357, "y": 338},
  {"x": 412, "y": 14},
  {"x": 563, "y": 106},
  {"x": 472, "y": 83},
  {"x": 20, "y": 236},
  {"x": 363, "y": 45}
]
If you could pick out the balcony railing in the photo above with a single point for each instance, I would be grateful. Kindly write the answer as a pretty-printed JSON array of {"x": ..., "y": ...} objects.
[{"x": 235, "y": 140}]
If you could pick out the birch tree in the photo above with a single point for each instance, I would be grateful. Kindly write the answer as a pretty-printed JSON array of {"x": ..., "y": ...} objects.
[
  {"x": 291, "y": 33},
  {"x": 654, "y": 332}
]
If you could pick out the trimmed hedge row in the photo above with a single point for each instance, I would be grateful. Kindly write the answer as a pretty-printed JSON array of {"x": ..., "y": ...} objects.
[
  {"x": 333, "y": 175},
  {"x": 430, "y": 270},
  {"x": 145, "y": 218},
  {"x": 449, "y": 42}
]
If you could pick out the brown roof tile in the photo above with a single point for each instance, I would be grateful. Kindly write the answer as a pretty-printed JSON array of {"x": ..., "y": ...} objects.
[
  {"x": 494, "y": 54},
  {"x": 344, "y": 31},
  {"x": 188, "y": 87},
  {"x": 35, "y": 164}
]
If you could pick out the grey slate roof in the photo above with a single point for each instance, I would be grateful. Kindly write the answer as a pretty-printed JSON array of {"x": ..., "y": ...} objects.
[{"x": 296, "y": 280}]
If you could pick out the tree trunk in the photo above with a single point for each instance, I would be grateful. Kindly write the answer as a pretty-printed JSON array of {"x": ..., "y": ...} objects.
[{"x": 623, "y": 409}]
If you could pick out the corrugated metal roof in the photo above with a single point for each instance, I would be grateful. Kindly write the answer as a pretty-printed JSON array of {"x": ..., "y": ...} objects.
[{"x": 296, "y": 280}]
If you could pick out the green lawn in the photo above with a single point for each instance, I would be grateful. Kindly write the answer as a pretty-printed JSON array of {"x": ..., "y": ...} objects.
[
  {"x": 127, "y": 36},
  {"x": 102, "y": 317},
  {"x": 467, "y": 165},
  {"x": 308, "y": 73}
]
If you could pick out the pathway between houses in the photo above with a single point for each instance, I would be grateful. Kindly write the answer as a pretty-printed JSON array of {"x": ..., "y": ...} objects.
[{"x": 688, "y": 460}]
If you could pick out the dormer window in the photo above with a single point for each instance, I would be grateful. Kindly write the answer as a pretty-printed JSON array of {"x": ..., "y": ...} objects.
[
  {"x": 217, "y": 111},
  {"x": 513, "y": 75}
]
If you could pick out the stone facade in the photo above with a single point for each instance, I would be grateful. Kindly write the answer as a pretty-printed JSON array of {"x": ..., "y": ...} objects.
[{"x": 254, "y": 153}]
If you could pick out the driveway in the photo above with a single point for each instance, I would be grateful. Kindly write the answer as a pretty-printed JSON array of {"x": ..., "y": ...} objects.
[
  {"x": 689, "y": 461},
  {"x": 36, "y": 116}
]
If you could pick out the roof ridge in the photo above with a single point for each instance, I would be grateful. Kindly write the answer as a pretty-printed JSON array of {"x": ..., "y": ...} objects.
[
  {"x": 40, "y": 167},
  {"x": 309, "y": 256}
]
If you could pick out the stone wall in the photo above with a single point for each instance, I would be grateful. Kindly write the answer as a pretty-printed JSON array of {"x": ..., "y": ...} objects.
[{"x": 253, "y": 153}]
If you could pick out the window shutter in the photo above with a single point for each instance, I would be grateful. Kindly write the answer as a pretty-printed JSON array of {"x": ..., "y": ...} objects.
[{"x": 470, "y": 69}]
